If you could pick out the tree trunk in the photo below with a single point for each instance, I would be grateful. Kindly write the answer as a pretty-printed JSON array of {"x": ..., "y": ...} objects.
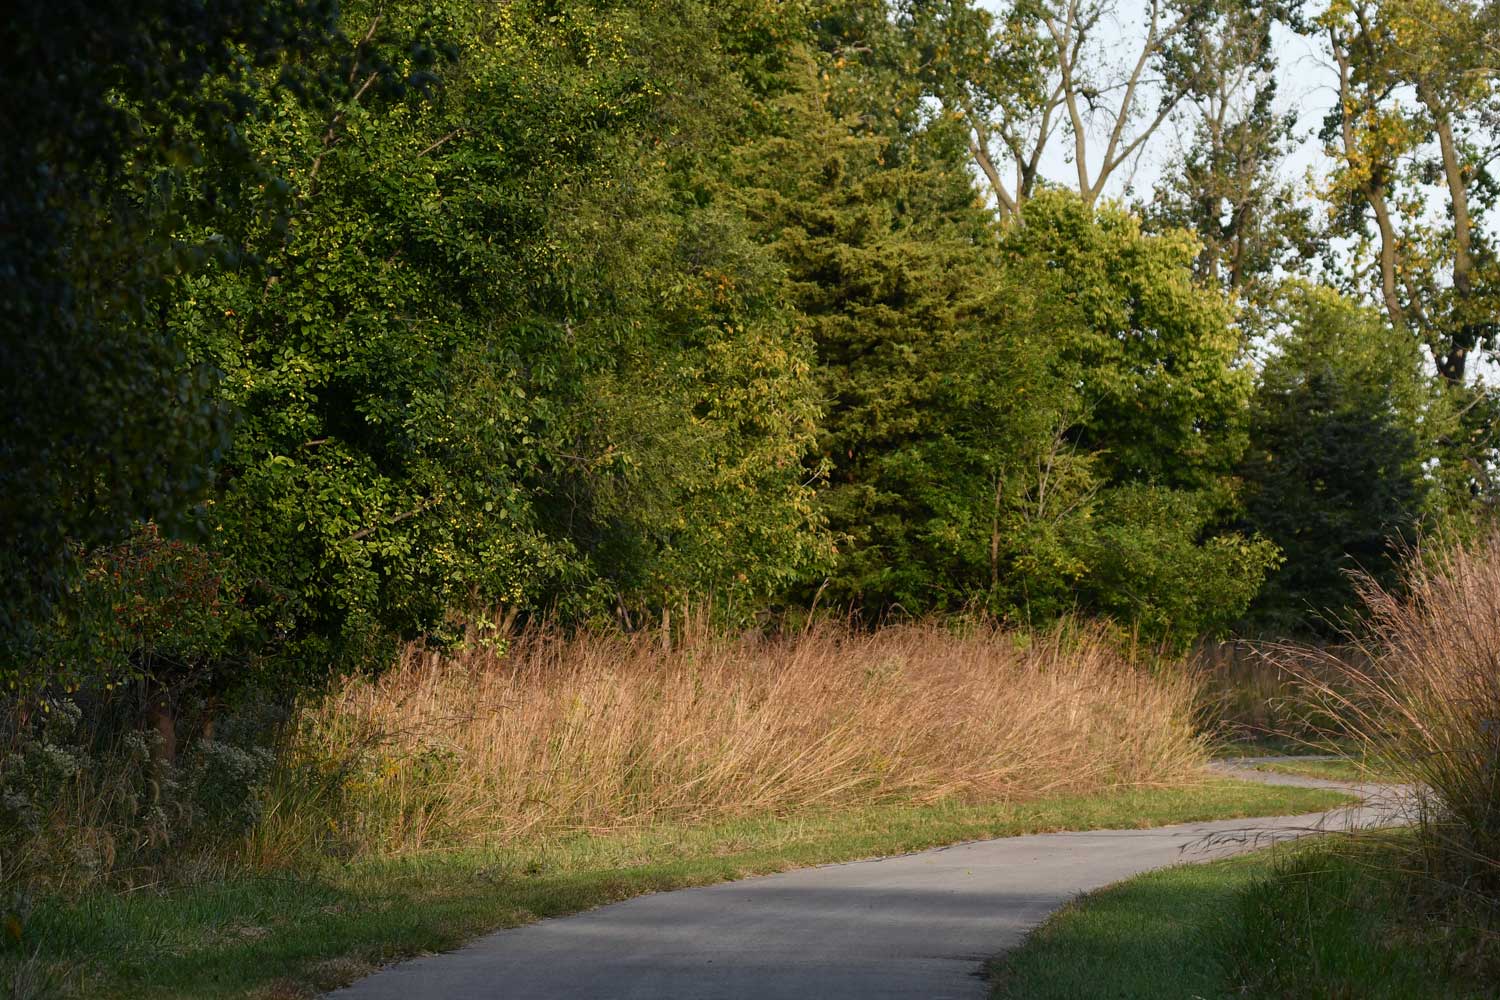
[
  {"x": 161, "y": 717},
  {"x": 995, "y": 536}
]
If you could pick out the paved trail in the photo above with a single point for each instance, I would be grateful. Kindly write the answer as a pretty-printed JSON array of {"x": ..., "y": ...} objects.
[{"x": 915, "y": 927}]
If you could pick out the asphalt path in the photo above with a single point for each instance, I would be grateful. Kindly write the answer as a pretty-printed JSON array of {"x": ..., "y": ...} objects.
[{"x": 916, "y": 927}]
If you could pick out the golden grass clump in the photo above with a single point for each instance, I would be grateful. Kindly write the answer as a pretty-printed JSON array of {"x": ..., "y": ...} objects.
[
  {"x": 597, "y": 732},
  {"x": 1423, "y": 698}
]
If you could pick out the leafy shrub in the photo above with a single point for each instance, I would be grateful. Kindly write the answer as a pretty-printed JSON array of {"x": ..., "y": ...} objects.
[
  {"x": 164, "y": 610},
  {"x": 1156, "y": 563},
  {"x": 223, "y": 783}
]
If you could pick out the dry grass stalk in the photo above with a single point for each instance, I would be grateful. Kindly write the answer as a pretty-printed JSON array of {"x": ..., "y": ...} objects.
[
  {"x": 1424, "y": 700},
  {"x": 1254, "y": 690},
  {"x": 600, "y": 732}
]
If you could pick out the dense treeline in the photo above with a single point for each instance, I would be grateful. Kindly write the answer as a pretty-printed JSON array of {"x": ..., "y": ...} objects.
[{"x": 330, "y": 328}]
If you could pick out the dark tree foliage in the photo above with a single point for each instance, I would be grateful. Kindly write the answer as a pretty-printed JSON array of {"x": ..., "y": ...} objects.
[
  {"x": 887, "y": 255},
  {"x": 1033, "y": 419},
  {"x": 1342, "y": 424},
  {"x": 106, "y": 107},
  {"x": 369, "y": 322}
]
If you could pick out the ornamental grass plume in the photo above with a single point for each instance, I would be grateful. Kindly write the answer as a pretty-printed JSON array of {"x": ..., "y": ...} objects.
[{"x": 1419, "y": 689}]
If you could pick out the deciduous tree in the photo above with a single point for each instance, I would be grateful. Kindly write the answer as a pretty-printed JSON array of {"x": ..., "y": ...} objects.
[{"x": 1412, "y": 141}]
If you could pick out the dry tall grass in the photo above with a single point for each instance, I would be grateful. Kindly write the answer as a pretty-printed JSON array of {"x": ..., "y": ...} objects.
[
  {"x": 1426, "y": 702},
  {"x": 606, "y": 731},
  {"x": 1255, "y": 691}
]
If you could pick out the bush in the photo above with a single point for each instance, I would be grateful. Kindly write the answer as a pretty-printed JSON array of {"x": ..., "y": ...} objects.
[{"x": 73, "y": 814}]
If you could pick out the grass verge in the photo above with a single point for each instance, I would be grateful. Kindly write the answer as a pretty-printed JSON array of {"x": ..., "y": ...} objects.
[
  {"x": 1350, "y": 763},
  {"x": 1273, "y": 745},
  {"x": 1332, "y": 919},
  {"x": 1150, "y": 936},
  {"x": 288, "y": 937}
]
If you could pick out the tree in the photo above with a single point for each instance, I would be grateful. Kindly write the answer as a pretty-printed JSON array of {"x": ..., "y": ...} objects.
[
  {"x": 1161, "y": 562},
  {"x": 1227, "y": 186},
  {"x": 1160, "y": 395},
  {"x": 510, "y": 348},
  {"x": 1006, "y": 420},
  {"x": 708, "y": 417},
  {"x": 884, "y": 247},
  {"x": 1344, "y": 426},
  {"x": 1412, "y": 129},
  {"x": 1044, "y": 66},
  {"x": 1154, "y": 357},
  {"x": 107, "y": 108}
]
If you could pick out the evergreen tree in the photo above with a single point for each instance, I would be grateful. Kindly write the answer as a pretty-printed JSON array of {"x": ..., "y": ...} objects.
[
  {"x": 889, "y": 257},
  {"x": 1344, "y": 423}
]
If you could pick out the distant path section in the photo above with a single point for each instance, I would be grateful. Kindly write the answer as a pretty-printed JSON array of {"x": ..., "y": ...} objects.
[{"x": 914, "y": 927}]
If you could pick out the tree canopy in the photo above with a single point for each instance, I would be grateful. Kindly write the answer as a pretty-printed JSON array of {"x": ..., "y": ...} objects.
[{"x": 331, "y": 328}]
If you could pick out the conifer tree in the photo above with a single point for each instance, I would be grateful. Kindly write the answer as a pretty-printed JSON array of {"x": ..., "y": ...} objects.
[
  {"x": 890, "y": 260},
  {"x": 1344, "y": 422}
]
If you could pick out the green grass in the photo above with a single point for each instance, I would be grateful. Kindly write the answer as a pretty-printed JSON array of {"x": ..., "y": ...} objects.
[
  {"x": 1274, "y": 745},
  {"x": 290, "y": 936},
  {"x": 1149, "y": 937},
  {"x": 1321, "y": 920},
  {"x": 1264, "y": 745},
  {"x": 1351, "y": 919},
  {"x": 1352, "y": 765}
]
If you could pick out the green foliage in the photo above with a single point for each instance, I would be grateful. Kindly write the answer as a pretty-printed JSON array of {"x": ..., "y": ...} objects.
[
  {"x": 1157, "y": 561},
  {"x": 1158, "y": 398},
  {"x": 1032, "y": 424},
  {"x": 594, "y": 309},
  {"x": 884, "y": 250},
  {"x": 108, "y": 107},
  {"x": 340, "y": 495},
  {"x": 1345, "y": 423},
  {"x": 510, "y": 348},
  {"x": 1154, "y": 355},
  {"x": 1412, "y": 140}
]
